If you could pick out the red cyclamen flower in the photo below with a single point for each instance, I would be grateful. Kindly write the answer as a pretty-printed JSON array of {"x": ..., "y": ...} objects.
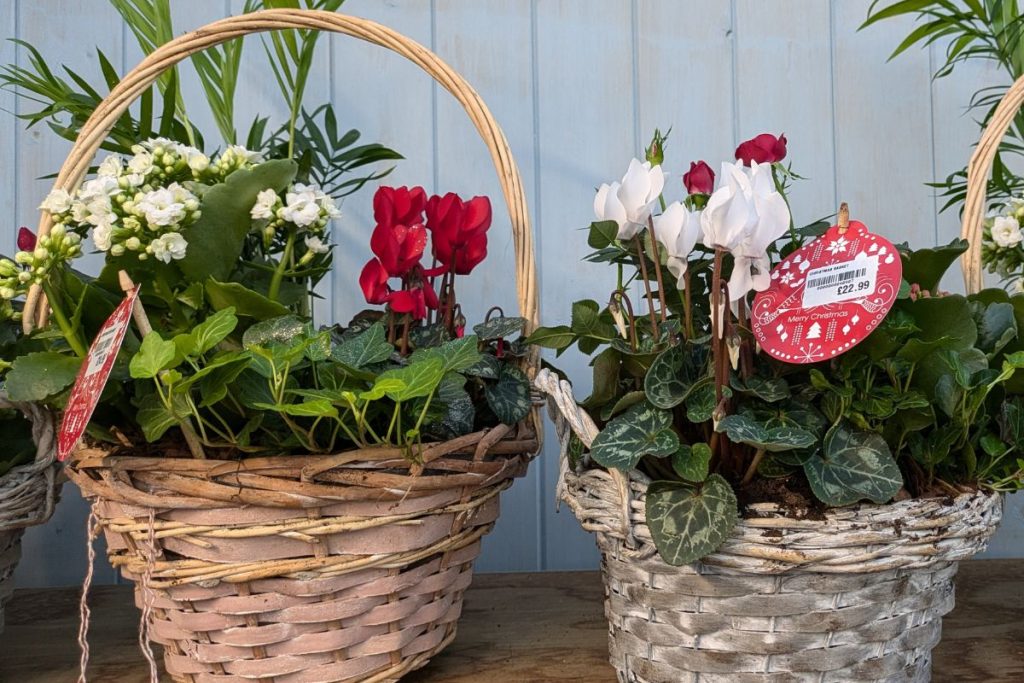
[
  {"x": 765, "y": 148},
  {"x": 700, "y": 179},
  {"x": 459, "y": 230},
  {"x": 374, "y": 282},
  {"x": 26, "y": 239},
  {"x": 415, "y": 300},
  {"x": 399, "y": 205},
  {"x": 399, "y": 247}
]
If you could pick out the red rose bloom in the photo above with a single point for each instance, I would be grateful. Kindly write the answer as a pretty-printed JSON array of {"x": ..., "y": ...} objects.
[
  {"x": 764, "y": 149},
  {"x": 459, "y": 230},
  {"x": 700, "y": 179},
  {"x": 399, "y": 205},
  {"x": 26, "y": 239}
]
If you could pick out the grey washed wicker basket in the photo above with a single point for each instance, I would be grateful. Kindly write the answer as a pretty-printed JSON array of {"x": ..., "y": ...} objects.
[{"x": 858, "y": 596}]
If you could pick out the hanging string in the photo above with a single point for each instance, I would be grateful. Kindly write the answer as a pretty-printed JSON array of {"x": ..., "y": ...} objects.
[
  {"x": 147, "y": 601},
  {"x": 91, "y": 532}
]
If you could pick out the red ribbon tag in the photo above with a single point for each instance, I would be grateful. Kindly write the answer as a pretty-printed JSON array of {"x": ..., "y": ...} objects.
[
  {"x": 827, "y": 296},
  {"x": 93, "y": 376}
]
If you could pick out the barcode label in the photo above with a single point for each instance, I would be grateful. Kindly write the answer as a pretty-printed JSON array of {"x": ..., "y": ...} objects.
[{"x": 838, "y": 282}]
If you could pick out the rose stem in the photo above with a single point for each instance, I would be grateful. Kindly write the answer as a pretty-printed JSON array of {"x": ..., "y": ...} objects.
[
  {"x": 647, "y": 285},
  {"x": 656, "y": 256}
]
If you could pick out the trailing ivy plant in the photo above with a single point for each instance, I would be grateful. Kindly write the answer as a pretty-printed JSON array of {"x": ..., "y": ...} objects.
[{"x": 929, "y": 404}]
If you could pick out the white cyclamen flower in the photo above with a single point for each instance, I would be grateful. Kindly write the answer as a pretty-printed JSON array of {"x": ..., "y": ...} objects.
[
  {"x": 58, "y": 201},
  {"x": 169, "y": 246},
  {"x": 630, "y": 201},
  {"x": 266, "y": 202},
  {"x": 744, "y": 216},
  {"x": 1006, "y": 232},
  {"x": 677, "y": 229},
  {"x": 300, "y": 206},
  {"x": 316, "y": 245}
]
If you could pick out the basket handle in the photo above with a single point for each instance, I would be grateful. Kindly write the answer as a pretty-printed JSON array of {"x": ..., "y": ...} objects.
[
  {"x": 977, "y": 181},
  {"x": 166, "y": 56}
]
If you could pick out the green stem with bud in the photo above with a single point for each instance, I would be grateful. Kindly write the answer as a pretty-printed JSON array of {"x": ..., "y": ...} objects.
[
  {"x": 69, "y": 332},
  {"x": 275, "y": 281}
]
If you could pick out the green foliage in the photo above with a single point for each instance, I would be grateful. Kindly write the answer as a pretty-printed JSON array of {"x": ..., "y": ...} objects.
[
  {"x": 641, "y": 430},
  {"x": 853, "y": 466},
  {"x": 38, "y": 376},
  {"x": 688, "y": 522}
]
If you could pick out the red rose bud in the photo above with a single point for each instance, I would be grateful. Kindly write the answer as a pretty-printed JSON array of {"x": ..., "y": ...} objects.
[
  {"x": 764, "y": 149},
  {"x": 399, "y": 206},
  {"x": 459, "y": 230},
  {"x": 26, "y": 239},
  {"x": 700, "y": 179}
]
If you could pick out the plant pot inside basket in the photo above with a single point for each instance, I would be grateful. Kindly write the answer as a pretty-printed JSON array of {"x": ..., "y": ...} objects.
[{"x": 301, "y": 569}]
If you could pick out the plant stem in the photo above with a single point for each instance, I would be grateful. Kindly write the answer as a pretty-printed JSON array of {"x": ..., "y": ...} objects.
[
  {"x": 70, "y": 333},
  {"x": 656, "y": 256},
  {"x": 687, "y": 306},
  {"x": 752, "y": 469},
  {"x": 275, "y": 280},
  {"x": 647, "y": 285}
]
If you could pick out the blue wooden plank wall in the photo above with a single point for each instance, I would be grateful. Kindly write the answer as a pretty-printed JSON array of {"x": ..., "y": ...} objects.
[{"x": 578, "y": 86}]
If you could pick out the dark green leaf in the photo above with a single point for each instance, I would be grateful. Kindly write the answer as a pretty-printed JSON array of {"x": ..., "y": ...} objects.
[
  {"x": 854, "y": 466},
  {"x": 743, "y": 429},
  {"x": 509, "y": 397},
  {"x": 691, "y": 462},
  {"x": 499, "y": 328},
  {"x": 246, "y": 302},
  {"x": 688, "y": 522},
  {"x": 641, "y": 430},
  {"x": 37, "y": 376},
  {"x": 366, "y": 348}
]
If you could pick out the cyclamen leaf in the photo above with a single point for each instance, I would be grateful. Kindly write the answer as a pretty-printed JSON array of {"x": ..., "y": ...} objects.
[
  {"x": 460, "y": 412},
  {"x": 37, "y": 376},
  {"x": 641, "y": 430},
  {"x": 606, "y": 379},
  {"x": 743, "y": 429},
  {"x": 764, "y": 388},
  {"x": 509, "y": 397},
  {"x": 667, "y": 383},
  {"x": 366, "y": 348},
  {"x": 499, "y": 328},
  {"x": 700, "y": 404},
  {"x": 691, "y": 462},
  {"x": 688, "y": 522},
  {"x": 155, "y": 354},
  {"x": 854, "y": 465}
]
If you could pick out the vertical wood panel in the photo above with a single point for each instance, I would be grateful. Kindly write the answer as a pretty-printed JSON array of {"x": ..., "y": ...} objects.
[
  {"x": 9, "y": 132},
  {"x": 54, "y": 554},
  {"x": 883, "y": 126},
  {"x": 784, "y": 85},
  {"x": 585, "y": 113},
  {"x": 484, "y": 42}
]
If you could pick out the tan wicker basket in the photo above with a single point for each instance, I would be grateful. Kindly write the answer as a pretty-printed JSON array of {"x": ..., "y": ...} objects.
[
  {"x": 28, "y": 494},
  {"x": 858, "y": 596},
  {"x": 304, "y": 569}
]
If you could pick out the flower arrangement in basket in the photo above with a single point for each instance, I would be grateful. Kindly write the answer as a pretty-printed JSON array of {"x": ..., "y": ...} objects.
[
  {"x": 751, "y": 379},
  {"x": 294, "y": 502}
]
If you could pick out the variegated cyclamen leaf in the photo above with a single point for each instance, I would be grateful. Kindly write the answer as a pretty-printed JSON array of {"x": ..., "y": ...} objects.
[
  {"x": 689, "y": 522},
  {"x": 509, "y": 397},
  {"x": 668, "y": 383},
  {"x": 769, "y": 389},
  {"x": 460, "y": 412},
  {"x": 691, "y": 462},
  {"x": 700, "y": 404},
  {"x": 854, "y": 466},
  {"x": 499, "y": 328},
  {"x": 743, "y": 429},
  {"x": 641, "y": 430}
]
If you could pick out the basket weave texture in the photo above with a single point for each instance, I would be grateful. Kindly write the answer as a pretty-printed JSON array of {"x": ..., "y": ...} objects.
[
  {"x": 28, "y": 494},
  {"x": 304, "y": 569},
  {"x": 857, "y": 595}
]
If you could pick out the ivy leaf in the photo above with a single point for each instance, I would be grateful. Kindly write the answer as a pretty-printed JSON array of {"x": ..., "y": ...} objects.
[
  {"x": 382, "y": 387},
  {"x": 500, "y": 328},
  {"x": 37, "y": 376},
  {"x": 214, "y": 386},
  {"x": 154, "y": 417},
  {"x": 1012, "y": 421},
  {"x": 456, "y": 355},
  {"x": 688, "y": 522},
  {"x": 641, "y": 430},
  {"x": 670, "y": 380},
  {"x": 214, "y": 330},
  {"x": 558, "y": 337},
  {"x": 743, "y": 429},
  {"x": 215, "y": 240},
  {"x": 155, "y": 354},
  {"x": 691, "y": 462},
  {"x": 419, "y": 379},
  {"x": 366, "y": 348},
  {"x": 854, "y": 465},
  {"x": 509, "y": 397},
  {"x": 317, "y": 407}
]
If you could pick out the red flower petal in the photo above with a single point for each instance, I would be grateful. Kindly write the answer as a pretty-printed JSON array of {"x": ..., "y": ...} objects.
[
  {"x": 26, "y": 239},
  {"x": 373, "y": 280}
]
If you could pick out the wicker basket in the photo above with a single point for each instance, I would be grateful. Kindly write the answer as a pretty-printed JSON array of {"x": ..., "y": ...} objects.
[
  {"x": 305, "y": 569},
  {"x": 857, "y": 596},
  {"x": 28, "y": 494}
]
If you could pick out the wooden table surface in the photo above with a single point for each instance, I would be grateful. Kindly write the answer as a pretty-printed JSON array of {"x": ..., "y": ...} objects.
[{"x": 516, "y": 628}]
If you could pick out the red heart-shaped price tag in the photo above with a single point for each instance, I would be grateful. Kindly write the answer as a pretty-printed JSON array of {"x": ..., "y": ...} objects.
[{"x": 827, "y": 296}]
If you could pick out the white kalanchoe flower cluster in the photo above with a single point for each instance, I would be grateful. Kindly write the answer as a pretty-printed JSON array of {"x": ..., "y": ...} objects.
[
  {"x": 1002, "y": 246},
  {"x": 52, "y": 250},
  {"x": 305, "y": 207},
  {"x": 232, "y": 159}
]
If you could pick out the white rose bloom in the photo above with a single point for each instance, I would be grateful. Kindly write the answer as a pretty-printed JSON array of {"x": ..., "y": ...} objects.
[
  {"x": 263, "y": 209},
  {"x": 58, "y": 201},
  {"x": 111, "y": 167},
  {"x": 316, "y": 245},
  {"x": 1006, "y": 232},
  {"x": 160, "y": 207},
  {"x": 629, "y": 202},
  {"x": 169, "y": 246}
]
